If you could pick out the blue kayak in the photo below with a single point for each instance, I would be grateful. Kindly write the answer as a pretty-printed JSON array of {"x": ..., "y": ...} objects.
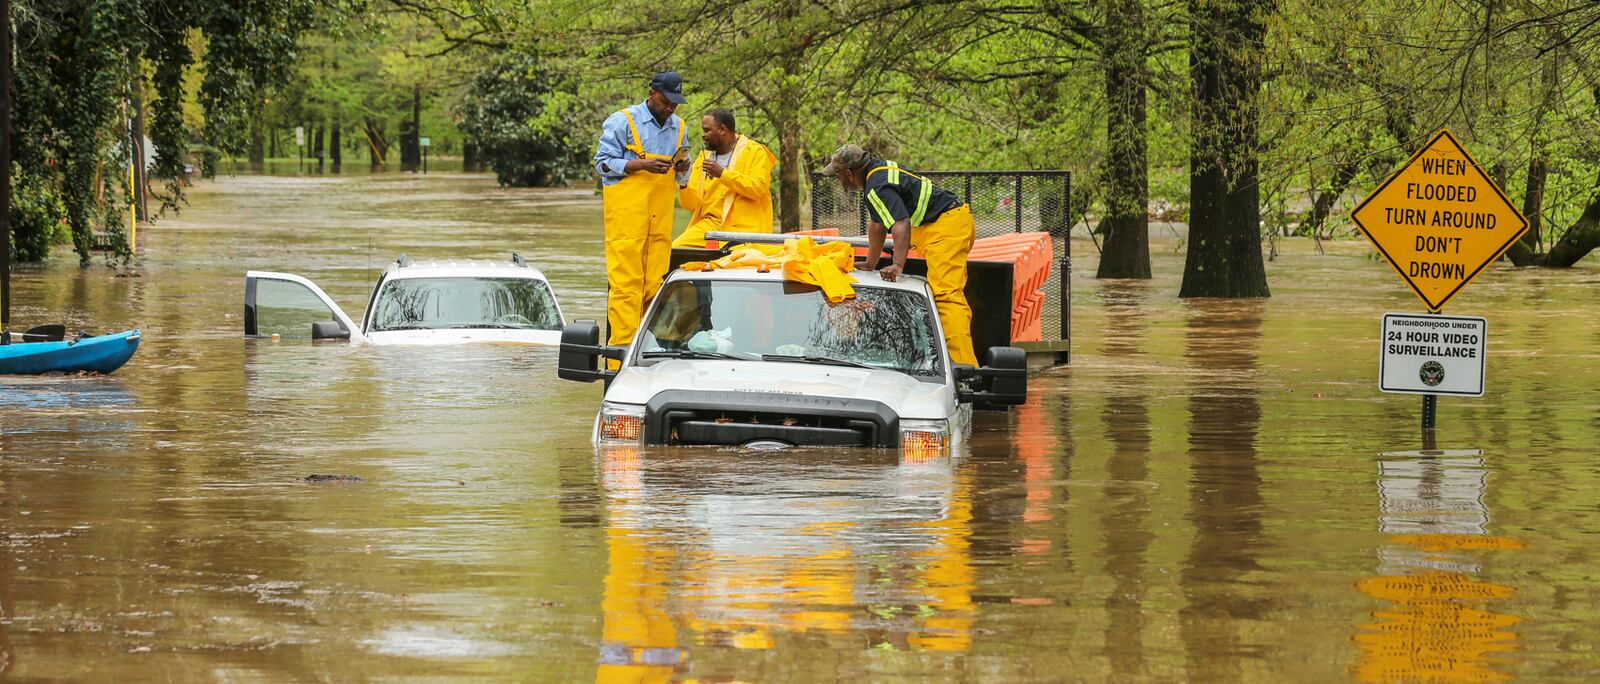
[{"x": 102, "y": 354}]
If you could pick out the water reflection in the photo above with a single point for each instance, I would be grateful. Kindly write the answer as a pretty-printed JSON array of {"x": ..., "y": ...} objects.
[
  {"x": 1189, "y": 500},
  {"x": 1440, "y": 627},
  {"x": 749, "y": 551},
  {"x": 1125, "y": 520},
  {"x": 1222, "y": 345},
  {"x": 42, "y": 406}
]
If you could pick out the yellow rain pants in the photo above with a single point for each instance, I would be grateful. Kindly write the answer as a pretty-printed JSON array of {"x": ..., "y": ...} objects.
[
  {"x": 827, "y": 266},
  {"x": 945, "y": 244},
  {"x": 638, "y": 215}
]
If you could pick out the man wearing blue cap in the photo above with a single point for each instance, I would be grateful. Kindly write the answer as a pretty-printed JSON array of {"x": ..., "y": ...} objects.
[{"x": 635, "y": 159}]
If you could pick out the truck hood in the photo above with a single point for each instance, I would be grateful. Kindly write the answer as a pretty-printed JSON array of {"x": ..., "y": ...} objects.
[{"x": 907, "y": 396}]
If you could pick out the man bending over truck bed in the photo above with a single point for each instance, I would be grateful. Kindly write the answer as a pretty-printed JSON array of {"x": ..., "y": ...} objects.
[{"x": 923, "y": 217}]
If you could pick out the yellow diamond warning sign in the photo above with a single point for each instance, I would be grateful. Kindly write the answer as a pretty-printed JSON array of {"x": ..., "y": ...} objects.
[{"x": 1440, "y": 220}]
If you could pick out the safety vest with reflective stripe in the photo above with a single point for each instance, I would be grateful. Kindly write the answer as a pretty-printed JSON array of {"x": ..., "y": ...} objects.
[{"x": 924, "y": 191}]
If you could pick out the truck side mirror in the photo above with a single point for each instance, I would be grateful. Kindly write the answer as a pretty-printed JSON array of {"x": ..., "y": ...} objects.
[
  {"x": 580, "y": 354},
  {"x": 329, "y": 330},
  {"x": 1002, "y": 382}
]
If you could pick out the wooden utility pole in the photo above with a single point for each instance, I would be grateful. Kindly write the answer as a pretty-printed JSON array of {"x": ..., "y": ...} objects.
[{"x": 5, "y": 172}]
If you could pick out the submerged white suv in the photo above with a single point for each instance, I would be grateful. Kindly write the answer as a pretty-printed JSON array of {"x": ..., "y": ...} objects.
[
  {"x": 440, "y": 302},
  {"x": 746, "y": 358}
]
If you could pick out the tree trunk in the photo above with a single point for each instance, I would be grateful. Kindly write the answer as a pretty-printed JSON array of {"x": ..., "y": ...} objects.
[
  {"x": 1224, "y": 258},
  {"x": 1533, "y": 201},
  {"x": 1533, "y": 195},
  {"x": 469, "y": 155},
  {"x": 272, "y": 142},
  {"x": 377, "y": 144},
  {"x": 410, "y": 134},
  {"x": 141, "y": 181},
  {"x": 1126, "y": 253},
  {"x": 258, "y": 146},
  {"x": 1582, "y": 237},
  {"x": 789, "y": 172},
  {"x": 316, "y": 144},
  {"x": 1323, "y": 205},
  {"x": 335, "y": 146},
  {"x": 408, "y": 162}
]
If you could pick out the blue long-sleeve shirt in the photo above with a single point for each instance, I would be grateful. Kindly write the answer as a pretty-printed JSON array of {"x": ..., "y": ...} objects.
[{"x": 612, "y": 155}]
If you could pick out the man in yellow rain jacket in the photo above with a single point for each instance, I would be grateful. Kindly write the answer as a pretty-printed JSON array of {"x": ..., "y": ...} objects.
[
  {"x": 730, "y": 183},
  {"x": 635, "y": 163},
  {"x": 920, "y": 216}
]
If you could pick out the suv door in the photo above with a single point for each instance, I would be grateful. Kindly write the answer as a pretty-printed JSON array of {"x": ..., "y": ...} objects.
[{"x": 291, "y": 306}]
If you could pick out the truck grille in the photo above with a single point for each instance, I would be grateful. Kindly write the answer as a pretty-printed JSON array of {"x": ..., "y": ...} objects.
[{"x": 730, "y": 418}]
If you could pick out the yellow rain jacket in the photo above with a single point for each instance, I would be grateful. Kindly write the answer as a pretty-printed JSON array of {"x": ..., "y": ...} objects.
[
  {"x": 740, "y": 200},
  {"x": 827, "y": 266}
]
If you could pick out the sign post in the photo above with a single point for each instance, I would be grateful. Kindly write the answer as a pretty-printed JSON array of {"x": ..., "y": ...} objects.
[
  {"x": 300, "y": 142},
  {"x": 425, "y": 143},
  {"x": 1439, "y": 221}
]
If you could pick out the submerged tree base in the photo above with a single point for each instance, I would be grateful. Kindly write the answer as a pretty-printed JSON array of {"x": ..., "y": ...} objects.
[{"x": 1582, "y": 237}]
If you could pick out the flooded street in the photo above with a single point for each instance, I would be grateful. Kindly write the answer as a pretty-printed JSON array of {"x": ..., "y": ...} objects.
[{"x": 1211, "y": 491}]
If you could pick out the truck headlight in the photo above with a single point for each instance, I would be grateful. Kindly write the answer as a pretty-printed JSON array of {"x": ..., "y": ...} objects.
[
  {"x": 924, "y": 437},
  {"x": 621, "y": 423}
]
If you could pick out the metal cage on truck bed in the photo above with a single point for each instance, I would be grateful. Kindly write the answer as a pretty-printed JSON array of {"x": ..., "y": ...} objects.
[
  {"x": 1019, "y": 297},
  {"x": 1002, "y": 202}
]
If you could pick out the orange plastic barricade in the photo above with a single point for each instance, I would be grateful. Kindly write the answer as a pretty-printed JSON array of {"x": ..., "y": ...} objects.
[{"x": 1030, "y": 255}]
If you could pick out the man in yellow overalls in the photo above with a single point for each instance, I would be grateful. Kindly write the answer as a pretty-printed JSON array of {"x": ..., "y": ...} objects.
[
  {"x": 634, "y": 160},
  {"x": 920, "y": 216},
  {"x": 730, "y": 183}
]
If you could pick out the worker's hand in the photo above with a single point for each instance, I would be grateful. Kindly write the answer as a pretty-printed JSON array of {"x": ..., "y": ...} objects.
[
  {"x": 891, "y": 272},
  {"x": 682, "y": 165},
  {"x": 651, "y": 165},
  {"x": 711, "y": 168}
]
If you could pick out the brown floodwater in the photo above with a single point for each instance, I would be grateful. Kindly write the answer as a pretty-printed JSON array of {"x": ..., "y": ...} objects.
[{"x": 1212, "y": 490}]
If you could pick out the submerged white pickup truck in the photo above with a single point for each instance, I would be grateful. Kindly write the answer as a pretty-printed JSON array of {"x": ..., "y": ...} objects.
[
  {"x": 420, "y": 303},
  {"x": 743, "y": 357}
]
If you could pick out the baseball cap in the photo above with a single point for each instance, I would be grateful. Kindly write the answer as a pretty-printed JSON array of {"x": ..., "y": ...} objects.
[
  {"x": 846, "y": 157},
  {"x": 670, "y": 84}
]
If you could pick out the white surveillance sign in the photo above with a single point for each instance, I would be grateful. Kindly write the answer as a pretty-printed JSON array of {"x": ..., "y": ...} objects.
[{"x": 1425, "y": 354}]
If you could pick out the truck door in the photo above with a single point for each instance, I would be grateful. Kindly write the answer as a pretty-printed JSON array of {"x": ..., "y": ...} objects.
[{"x": 292, "y": 307}]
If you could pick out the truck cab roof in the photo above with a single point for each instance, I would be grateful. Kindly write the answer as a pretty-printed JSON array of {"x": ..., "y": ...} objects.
[{"x": 462, "y": 268}]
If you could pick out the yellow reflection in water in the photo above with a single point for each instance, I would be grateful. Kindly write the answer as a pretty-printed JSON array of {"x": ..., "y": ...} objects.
[
  {"x": 703, "y": 552},
  {"x": 1440, "y": 627},
  {"x": 638, "y": 640},
  {"x": 1439, "y": 630}
]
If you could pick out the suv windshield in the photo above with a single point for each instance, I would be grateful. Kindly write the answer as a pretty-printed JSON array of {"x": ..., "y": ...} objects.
[
  {"x": 881, "y": 328},
  {"x": 433, "y": 303}
]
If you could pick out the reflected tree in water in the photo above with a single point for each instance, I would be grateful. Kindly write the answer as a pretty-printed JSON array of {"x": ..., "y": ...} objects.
[
  {"x": 1224, "y": 488},
  {"x": 875, "y": 327},
  {"x": 1126, "y": 518}
]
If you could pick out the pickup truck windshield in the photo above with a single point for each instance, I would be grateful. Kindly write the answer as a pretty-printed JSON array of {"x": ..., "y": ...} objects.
[
  {"x": 881, "y": 328},
  {"x": 435, "y": 303}
]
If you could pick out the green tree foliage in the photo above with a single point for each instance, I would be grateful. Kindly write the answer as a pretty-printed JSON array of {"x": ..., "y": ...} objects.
[
  {"x": 1314, "y": 103},
  {"x": 527, "y": 142},
  {"x": 78, "y": 66},
  {"x": 37, "y": 217}
]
